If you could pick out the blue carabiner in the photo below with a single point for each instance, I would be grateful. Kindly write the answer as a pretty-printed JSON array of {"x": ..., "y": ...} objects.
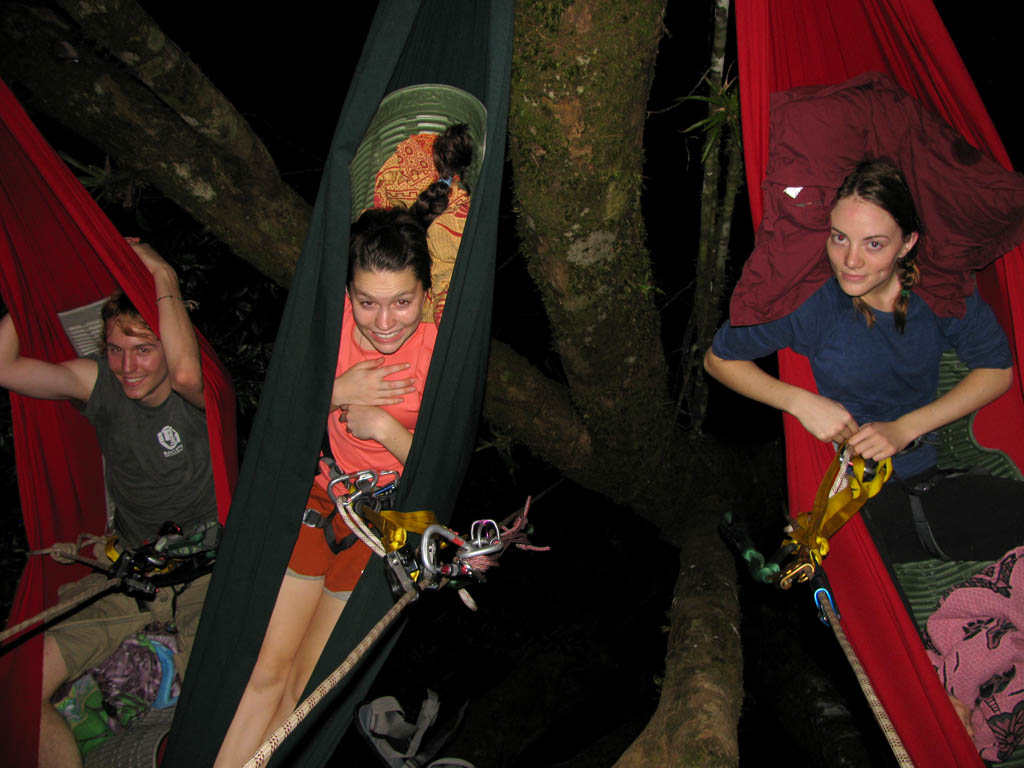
[{"x": 818, "y": 604}]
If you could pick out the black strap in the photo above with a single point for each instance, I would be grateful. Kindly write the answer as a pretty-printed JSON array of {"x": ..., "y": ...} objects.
[
  {"x": 335, "y": 545},
  {"x": 924, "y": 531},
  {"x": 332, "y": 540}
]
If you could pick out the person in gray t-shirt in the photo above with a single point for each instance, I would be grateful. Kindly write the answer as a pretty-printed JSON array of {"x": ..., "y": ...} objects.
[{"x": 146, "y": 401}]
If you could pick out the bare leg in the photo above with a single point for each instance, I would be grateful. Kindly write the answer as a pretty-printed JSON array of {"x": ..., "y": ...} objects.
[
  {"x": 964, "y": 713},
  {"x": 296, "y": 604},
  {"x": 328, "y": 610},
  {"x": 57, "y": 746}
]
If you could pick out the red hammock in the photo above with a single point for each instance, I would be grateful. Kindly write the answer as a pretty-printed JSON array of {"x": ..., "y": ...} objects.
[
  {"x": 790, "y": 43},
  {"x": 57, "y": 252}
]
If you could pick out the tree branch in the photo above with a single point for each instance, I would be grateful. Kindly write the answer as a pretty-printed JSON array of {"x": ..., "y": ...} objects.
[
  {"x": 698, "y": 711},
  {"x": 232, "y": 192},
  {"x": 536, "y": 410},
  {"x": 133, "y": 37}
]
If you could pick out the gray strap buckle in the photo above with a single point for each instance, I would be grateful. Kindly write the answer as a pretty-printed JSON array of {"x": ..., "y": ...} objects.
[{"x": 313, "y": 519}]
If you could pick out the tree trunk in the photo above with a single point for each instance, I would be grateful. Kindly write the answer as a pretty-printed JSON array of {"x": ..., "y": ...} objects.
[
  {"x": 581, "y": 76},
  {"x": 699, "y": 708}
]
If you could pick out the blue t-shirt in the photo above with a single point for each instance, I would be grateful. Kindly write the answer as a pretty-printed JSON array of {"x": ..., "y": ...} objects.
[{"x": 877, "y": 373}]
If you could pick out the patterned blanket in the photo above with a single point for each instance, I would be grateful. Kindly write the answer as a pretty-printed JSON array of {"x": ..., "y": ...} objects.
[
  {"x": 111, "y": 696},
  {"x": 976, "y": 642}
]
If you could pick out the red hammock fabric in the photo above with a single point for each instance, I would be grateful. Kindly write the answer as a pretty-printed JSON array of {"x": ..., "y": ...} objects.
[
  {"x": 58, "y": 251},
  {"x": 790, "y": 43}
]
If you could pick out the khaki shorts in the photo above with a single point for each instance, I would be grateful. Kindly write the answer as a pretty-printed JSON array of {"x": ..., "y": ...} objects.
[{"x": 90, "y": 635}]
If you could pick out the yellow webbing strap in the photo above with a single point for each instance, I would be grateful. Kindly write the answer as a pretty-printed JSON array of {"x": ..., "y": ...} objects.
[
  {"x": 394, "y": 525},
  {"x": 815, "y": 528},
  {"x": 111, "y": 550}
]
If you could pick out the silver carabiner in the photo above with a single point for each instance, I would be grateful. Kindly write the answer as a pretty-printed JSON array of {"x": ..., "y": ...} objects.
[
  {"x": 330, "y": 489},
  {"x": 362, "y": 484},
  {"x": 365, "y": 482},
  {"x": 484, "y": 539},
  {"x": 428, "y": 547}
]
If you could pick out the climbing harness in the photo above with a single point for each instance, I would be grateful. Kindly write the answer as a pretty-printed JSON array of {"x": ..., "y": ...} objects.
[
  {"x": 487, "y": 542},
  {"x": 360, "y": 493},
  {"x": 359, "y": 499},
  {"x": 178, "y": 556}
]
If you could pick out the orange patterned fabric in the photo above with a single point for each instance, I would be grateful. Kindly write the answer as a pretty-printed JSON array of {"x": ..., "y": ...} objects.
[{"x": 400, "y": 180}]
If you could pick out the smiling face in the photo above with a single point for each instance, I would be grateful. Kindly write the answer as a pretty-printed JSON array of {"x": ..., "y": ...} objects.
[
  {"x": 139, "y": 364},
  {"x": 386, "y": 307},
  {"x": 863, "y": 247}
]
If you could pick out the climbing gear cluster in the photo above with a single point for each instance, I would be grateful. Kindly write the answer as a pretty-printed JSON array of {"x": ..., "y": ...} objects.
[
  {"x": 840, "y": 496},
  {"x": 442, "y": 555},
  {"x": 846, "y": 485},
  {"x": 179, "y": 555}
]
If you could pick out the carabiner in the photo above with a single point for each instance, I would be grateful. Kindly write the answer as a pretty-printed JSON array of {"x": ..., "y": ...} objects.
[
  {"x": 481, "y": 539},
  {"x": 365, "y": 482},
  {"x": 388, "y": 487},
  {"x": 823, "y": 593},
  {"x": 428, "y": 546}
]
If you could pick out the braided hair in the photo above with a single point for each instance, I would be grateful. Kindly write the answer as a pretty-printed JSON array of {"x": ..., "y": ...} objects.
[
  {"x": 394, "y": 239},
  {"x": 453, "y": 152},
  {"x": 879, "y": 181}
]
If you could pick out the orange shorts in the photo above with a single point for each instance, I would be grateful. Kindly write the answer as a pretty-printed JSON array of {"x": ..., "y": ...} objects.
[{"x": 312, "y": 557}]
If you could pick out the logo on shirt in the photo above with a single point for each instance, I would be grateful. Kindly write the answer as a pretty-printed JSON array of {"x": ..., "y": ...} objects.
[{"x": 170, "y": 441}]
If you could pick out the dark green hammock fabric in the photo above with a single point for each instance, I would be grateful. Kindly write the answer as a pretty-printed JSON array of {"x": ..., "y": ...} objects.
[{"x": 465, "y": 43}]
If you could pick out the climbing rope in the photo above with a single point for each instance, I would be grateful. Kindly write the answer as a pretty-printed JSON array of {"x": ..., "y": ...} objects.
[
  {"x": 489, "y": 537},
  {"x": 881, "y": 716},
  {"x": 65, "y": 552},
  {"x": 843, "y": 490},
  {"x": 275, "y": 739},
  {"x": 59, "y": 609}
]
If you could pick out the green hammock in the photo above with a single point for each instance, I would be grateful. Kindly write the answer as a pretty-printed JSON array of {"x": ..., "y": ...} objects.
[{"x": 466, "y": 44}]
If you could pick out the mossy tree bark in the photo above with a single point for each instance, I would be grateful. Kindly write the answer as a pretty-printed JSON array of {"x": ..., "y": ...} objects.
[
  {"x": 582, "y": 72},
  {"x": 581, "y": 76}
]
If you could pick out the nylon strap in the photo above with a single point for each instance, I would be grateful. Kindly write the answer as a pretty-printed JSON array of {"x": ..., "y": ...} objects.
[
  {"x": 394, "y": 525},
  {"x": 814, "y": 529}
]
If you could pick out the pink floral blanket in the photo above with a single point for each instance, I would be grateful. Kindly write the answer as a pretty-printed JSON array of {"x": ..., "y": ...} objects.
[{"x": 976, "y": 642}]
